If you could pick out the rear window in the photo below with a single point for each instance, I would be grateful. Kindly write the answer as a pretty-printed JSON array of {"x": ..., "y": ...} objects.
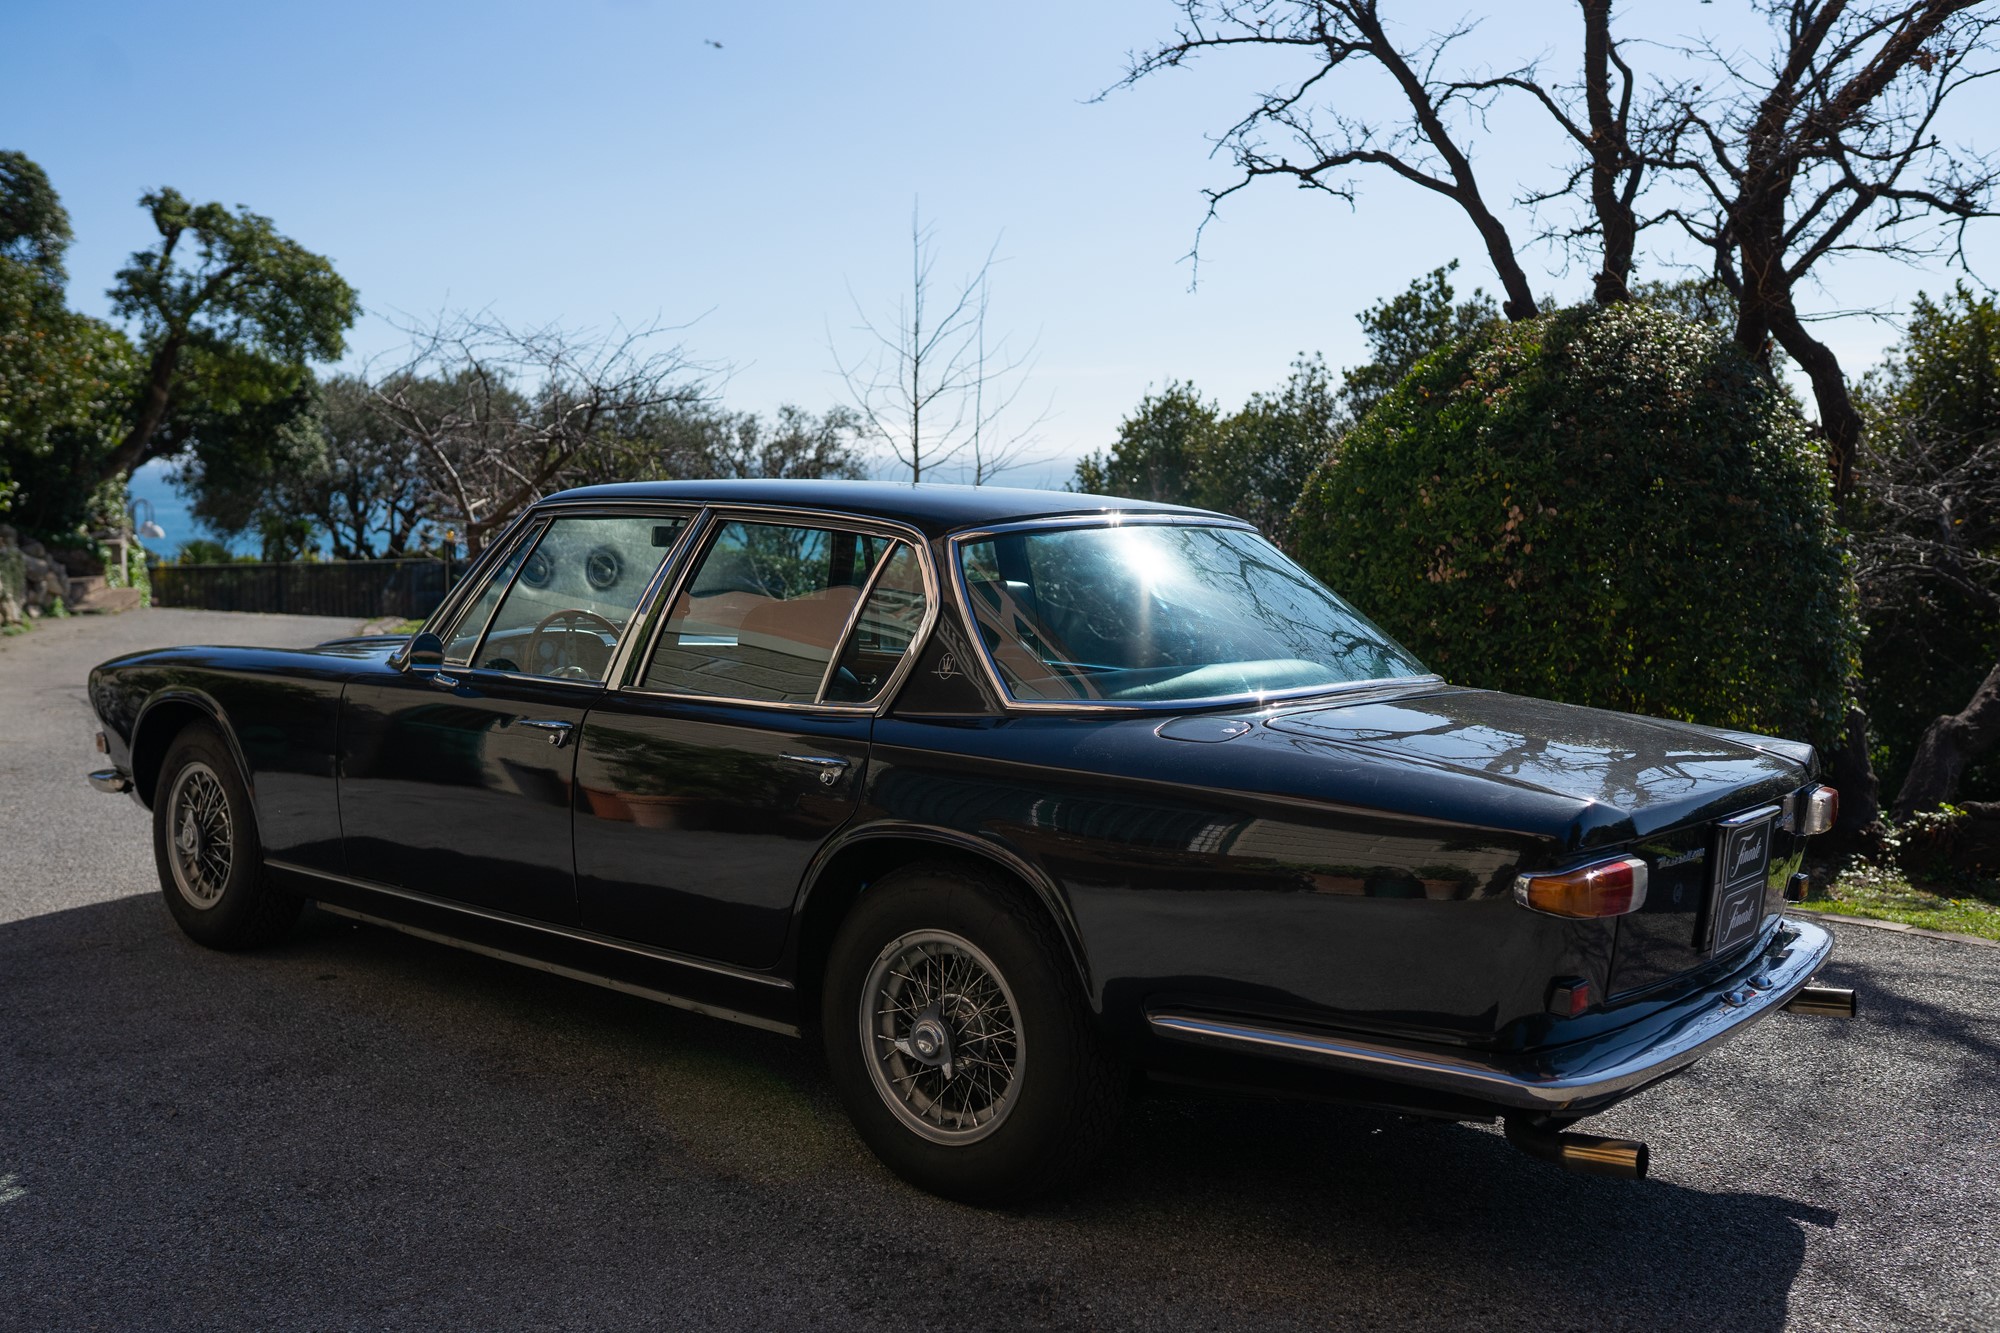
[{"x": 1142, "y": 613}]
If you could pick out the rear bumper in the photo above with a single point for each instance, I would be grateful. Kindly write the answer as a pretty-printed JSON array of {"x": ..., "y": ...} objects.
[{"x": 1583, "y": 1075}]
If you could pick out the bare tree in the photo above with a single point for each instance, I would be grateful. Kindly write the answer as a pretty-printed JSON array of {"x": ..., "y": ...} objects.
[
  {"x": 1323, "y": 148},
  {"x": 1828, "y": 148},
  {"x": 930, "y": 387},
  {"x": 502, "y": 415}
]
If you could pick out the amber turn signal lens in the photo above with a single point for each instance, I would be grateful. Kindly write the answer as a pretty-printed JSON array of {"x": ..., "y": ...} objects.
[
  {"x": 1818, "y": 807},
  {"x": 1608, "y": 888}
]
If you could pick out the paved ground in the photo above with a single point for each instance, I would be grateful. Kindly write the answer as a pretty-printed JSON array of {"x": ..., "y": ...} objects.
[{"x": 359, "y": 1130}]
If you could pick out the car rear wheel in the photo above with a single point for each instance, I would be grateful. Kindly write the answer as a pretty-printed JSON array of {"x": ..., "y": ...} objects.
[
  {"x": 959, "y": 1040},
  {"x": 205, "y": 844}
]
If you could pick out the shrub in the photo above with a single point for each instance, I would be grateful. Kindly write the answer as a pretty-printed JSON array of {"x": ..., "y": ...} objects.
[{"x": 1605, "y": 505}]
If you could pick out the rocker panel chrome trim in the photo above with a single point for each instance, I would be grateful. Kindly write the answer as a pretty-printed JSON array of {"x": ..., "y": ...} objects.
[
  {"x": 574, "y": 974},
  {"x": 545, "y": 928}
]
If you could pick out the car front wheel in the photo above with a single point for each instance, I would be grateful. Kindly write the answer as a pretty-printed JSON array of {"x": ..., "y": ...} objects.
[
  {"x": 205, "y": 844},
  {"x": 959, "y": 1040}
]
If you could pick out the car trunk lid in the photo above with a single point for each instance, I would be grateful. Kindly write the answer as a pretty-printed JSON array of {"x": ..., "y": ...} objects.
[{"x": 1631, "y": 777}]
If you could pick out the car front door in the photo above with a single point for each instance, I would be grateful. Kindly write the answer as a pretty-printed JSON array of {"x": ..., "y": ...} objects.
[
  {"x": 455, "y": 782},
  {"x": 705, "y": 786}
]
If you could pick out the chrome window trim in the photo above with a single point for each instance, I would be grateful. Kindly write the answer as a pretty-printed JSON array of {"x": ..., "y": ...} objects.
[
  {"x": 1116, "y": 519},
  {"x": 599, "y": 509},
  {"x": 452, "y": 605},
  {"x": 853, "y": 619},
  {"x": 642, "y": 610},
  {"x": 531, "y": 534},
  {"x": 712, "y": 518}
]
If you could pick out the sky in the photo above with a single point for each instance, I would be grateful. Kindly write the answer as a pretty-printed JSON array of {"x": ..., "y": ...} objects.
[{"x": 749, "y": 173}]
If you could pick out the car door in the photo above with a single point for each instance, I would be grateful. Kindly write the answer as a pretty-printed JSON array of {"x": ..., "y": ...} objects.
[
  {"x": 705, "y": 786},
  {"x": 455, "y": 782}
]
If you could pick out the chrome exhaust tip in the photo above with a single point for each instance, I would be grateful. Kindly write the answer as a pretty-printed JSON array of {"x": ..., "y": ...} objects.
[
  {"x": 1586, "y": 1154},
  {"x": 1833, "y": 1001}
]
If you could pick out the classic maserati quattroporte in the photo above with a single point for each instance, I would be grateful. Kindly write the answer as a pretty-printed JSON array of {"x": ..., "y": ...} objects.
[{"x": 1008, "y": 796}]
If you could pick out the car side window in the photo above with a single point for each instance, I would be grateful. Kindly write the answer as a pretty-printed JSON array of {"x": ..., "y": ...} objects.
[
  {"x": 574, "y": 596},
  {"x": 764, "y": 612},
  {"x": 884, "y": 630},
  {"x": 472, "y": 622}
]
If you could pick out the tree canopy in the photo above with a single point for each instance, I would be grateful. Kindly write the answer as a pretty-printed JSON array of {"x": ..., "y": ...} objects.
[
  {"x": 1603, "y": 505},
  {"x": 229, "y": 315}
]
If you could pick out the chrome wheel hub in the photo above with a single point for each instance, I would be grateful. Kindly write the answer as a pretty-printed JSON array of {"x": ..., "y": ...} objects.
[
  {"x": 930, "y": 1042},
  {"x": 942, "y": 1042},
  {"x": 201, "y": 849}
]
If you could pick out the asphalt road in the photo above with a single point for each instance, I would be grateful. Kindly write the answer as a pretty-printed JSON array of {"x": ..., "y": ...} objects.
[{"x": 360, "y": 1130}]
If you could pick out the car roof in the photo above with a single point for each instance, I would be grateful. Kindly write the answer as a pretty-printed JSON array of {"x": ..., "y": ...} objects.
[{"x": 933, "y": 508}]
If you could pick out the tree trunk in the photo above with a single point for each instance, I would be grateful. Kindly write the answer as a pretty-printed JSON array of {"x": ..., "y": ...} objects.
[
  {"x": 1839, "y": 422},
  {"x": 1616, "y": 219},
  {"x": 1852, "y": 770},
  {"x": 133, "y": 449},
  {"x": 1949, "y": 744}
]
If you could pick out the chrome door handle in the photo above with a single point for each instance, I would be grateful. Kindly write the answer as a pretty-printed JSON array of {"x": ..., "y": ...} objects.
[
  {"x": 830, "y": 768},
  {"x": 558, "y": 731}
]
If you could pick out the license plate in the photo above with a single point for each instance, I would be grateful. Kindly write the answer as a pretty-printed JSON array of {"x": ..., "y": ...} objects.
[{"x": 1742, "y": 864}]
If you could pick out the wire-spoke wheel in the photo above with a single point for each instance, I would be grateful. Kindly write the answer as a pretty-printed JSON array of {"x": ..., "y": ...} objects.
[
  {"x": 947, "y": 1048},
  {"x": 959, "y": 1038},
  {"x": 201, "y": 837},
  {"x": 205, "y": 842}
]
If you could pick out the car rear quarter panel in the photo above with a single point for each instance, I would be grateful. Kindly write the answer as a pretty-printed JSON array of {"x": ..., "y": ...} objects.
[{"x": 1205, "y": 875}]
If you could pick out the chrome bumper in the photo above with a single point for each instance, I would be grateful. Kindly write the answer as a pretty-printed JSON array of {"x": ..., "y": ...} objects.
[
  {"x": 110, "y": 780},
  {"x": 1602, "y": 1066}
]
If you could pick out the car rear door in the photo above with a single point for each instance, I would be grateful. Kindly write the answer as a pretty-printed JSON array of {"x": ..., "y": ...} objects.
[
  {"x": 738, "y": 746},
  {"x": 456, "y": 782}
]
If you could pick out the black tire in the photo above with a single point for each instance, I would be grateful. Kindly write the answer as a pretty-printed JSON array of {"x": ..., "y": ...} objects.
[
  {"x": 1058, "y": 1096},
  {"x": 211, "y": 866}
]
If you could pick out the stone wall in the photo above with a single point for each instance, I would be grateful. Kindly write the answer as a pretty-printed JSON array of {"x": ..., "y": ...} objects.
[{"x": 33, "y": 580}]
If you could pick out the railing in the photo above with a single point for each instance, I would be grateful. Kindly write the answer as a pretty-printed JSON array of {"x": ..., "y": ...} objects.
[{"x": 363, "y": 589}]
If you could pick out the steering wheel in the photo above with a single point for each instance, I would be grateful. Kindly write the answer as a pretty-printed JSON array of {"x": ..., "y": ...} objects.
[{"x": 562, "y": 652}]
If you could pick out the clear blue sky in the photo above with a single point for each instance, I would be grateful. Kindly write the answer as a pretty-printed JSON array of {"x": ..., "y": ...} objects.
[{"x": 599, "y": 161}]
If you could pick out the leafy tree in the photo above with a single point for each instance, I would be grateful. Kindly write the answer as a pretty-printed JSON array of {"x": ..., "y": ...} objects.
[
  {"x": 1156, "y": 453},
  {"x": 1607, "y": 505},
  {"x": 1929, "y": 547},
  {"x": 796, "y": 444},
  {"x": 34, "y": 226},
  {"x": 1409, "y": 326},
  {"x": 1259, "y": 460},
  {"x": 63, "y": 376},
  {"x": 1178, "y": 447},
  {"x": 229, "y": 312},
  {"x": 338, "y": 470},
  {"x": 205, "y": 551}
]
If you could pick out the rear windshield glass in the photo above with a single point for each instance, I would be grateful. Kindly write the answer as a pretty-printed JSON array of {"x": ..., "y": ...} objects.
[{"x": 1146, "y": 613}]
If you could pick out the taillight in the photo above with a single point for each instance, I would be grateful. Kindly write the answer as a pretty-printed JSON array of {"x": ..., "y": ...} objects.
[
  {"x": 1608, "y": 888},
  {"x": 1814, "y": 810}
]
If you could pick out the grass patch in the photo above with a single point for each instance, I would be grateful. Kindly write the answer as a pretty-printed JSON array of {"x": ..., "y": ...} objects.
[{"x": 1885, "y": 894}]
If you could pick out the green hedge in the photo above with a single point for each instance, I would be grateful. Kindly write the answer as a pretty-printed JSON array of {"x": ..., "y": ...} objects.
[{"x": 1604, "y": 505}]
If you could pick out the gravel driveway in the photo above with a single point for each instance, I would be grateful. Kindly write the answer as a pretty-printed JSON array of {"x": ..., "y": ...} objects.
[{"x": 360, "y": 1130}]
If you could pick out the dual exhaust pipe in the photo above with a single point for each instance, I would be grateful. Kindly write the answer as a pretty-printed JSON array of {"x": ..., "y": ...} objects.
[
  {"x": 1832, "y": 1001},
  {"x": 1587, "y": 1154},
  {"x": 1628, "y": 1159}
]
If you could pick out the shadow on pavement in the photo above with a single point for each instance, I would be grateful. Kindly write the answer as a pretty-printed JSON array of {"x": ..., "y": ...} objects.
[{"x": 359, "y": 1129}]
